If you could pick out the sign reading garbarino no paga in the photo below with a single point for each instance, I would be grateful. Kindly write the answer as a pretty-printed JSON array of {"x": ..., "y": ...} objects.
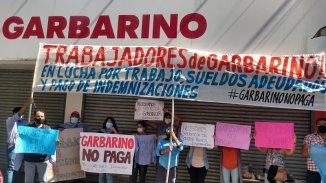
[
  {"x": 107, "y": 153},
  {"x": 164, "y": 72},
  {"x": 274, "y": 135},
  {"x": 197, "y": 135},
  {"x": 232, "y": 135},
  {"x": 36, "y": 140},
  {"x": 148, "y": 110},
  {"x": 67, "y": 166}
]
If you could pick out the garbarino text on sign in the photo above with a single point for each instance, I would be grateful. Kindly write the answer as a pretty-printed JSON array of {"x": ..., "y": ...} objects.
[{"x": 302, "y": 66}]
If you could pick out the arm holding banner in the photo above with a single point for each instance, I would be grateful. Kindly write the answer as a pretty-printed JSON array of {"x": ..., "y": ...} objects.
[
  {"x": 166, "y": 150},
  {"x": 174, "y": 137},
  {"x": 305, "y": 150},
  {"x": 24, "y": 107},
  {"x": 305, "y": 147},
  {"x": 288, "y": 152}
]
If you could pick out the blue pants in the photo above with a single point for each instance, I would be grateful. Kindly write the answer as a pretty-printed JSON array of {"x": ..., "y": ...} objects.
[
  {"x": 105, "y": 178},
  {"x": 233, "y": 174},
  {"x": 10, "y": 160}
]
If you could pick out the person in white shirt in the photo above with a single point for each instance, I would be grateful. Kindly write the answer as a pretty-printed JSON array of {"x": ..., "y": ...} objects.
[{"x": 12, "y": 124}]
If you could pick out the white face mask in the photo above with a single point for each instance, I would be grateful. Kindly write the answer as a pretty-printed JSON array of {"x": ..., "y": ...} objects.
[
  {"x": 140, "y": 130},
  {"x": 74, "y": 120},
  {"x": 167, "y": 121},
  {"x": 109, "y": 125}
]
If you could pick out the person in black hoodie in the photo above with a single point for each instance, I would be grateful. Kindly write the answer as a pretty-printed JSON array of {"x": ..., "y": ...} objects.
[{"x": 36, "y": 162}]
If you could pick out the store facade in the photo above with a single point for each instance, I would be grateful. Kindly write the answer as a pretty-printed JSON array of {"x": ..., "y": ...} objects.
[{"x": 279, "y": 29}]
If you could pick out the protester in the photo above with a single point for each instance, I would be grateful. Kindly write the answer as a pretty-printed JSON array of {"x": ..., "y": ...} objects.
[
  {"x": 75, "y": 123},
  {"x": 231, "y": 165},
  {"x": 144, "y": 152},
  {"x": 197, "y": 164},
  {"x": 12, "y": 124},
  {"x": 274, "y": 160},
  {"x": 37, "y": 162},
  {"x": 109, "y": 126},
  {"x": 162, "y": 150},
  {"x": 162, "y": 125},
  {"x": 318, "y": 139}
]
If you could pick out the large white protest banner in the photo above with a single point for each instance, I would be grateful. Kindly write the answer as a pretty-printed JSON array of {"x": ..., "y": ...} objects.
[
  {"x": 198, "y": 135},
  {"x": 67, "y": 166},
  {"x": 296, "y": 81},
  {"x": 149, "y": 110},
  {"x": 107, "y": 153}
]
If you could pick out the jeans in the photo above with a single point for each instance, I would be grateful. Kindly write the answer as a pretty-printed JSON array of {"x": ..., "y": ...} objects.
[
  {"x": 233, "y": 174},
  {"x": 313, "y": 177},
  {"x": 161, "y": 174},
  {"x": 10, "y": 160},
  {"x": 142, "y": 173},
  {"x": 197, "y": 175},
  {"x": 18, "y": 177},
  {"x": 31, "y": 168},
  {"x": 105, "y": 178}
]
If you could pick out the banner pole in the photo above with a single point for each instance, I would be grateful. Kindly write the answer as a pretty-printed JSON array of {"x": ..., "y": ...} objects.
[
  {"x": 30, "y": 106},
  {"x": 171, "y": 143},
  {"x": 34, "y": 76}
]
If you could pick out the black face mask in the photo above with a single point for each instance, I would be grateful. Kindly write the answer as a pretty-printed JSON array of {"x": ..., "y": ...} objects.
[
  {"x": 322, "y": 129},
  {"x": 39, "y": 121}
]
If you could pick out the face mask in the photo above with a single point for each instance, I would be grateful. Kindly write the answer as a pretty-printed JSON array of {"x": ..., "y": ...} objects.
[
  {"x": 140, "y": 130},
  {"x": 109, "y": 125},
  {"x": 167, "y": 121},
  {"x": 39, "y": 121},
  {"x": 322, "y": 129},
  {"x": 74, "y": 120}
]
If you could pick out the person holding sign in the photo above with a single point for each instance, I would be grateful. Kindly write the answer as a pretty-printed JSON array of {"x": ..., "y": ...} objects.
[
  {"x": 161, "y": 126},
  {"x": 231, "y": 165},
  {"x": 162, "y": 150},
  {"x": 318, "y": 139},
  {"x": 144, "y": 152},
  {"x": 75, "y": 123},
  {"x": 12, "y": 123},
  {"x": 37, "y": 162},
  {"x": 275, "y": 160},
  {"x": 109, "y": 126},
  {"x": 197, "y": 164}
]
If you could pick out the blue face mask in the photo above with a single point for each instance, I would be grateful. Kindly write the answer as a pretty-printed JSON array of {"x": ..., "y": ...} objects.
[{"x": 109, "y": 125}]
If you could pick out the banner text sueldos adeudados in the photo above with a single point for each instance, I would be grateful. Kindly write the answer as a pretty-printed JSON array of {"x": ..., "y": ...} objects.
[{"x": 78, "y": 27}]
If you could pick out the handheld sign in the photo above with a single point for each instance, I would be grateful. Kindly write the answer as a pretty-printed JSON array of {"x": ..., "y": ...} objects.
[
  {"x": 232, "y": 135},
  {"x": 274, "y": 135},
  {"x": 197, "y": 135},
  {"x": 149, "y": 110},
  {"x": 67, "y": 166},
  {"x": 36, "y": 140},
  {"x": 107, "y": 153}
]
